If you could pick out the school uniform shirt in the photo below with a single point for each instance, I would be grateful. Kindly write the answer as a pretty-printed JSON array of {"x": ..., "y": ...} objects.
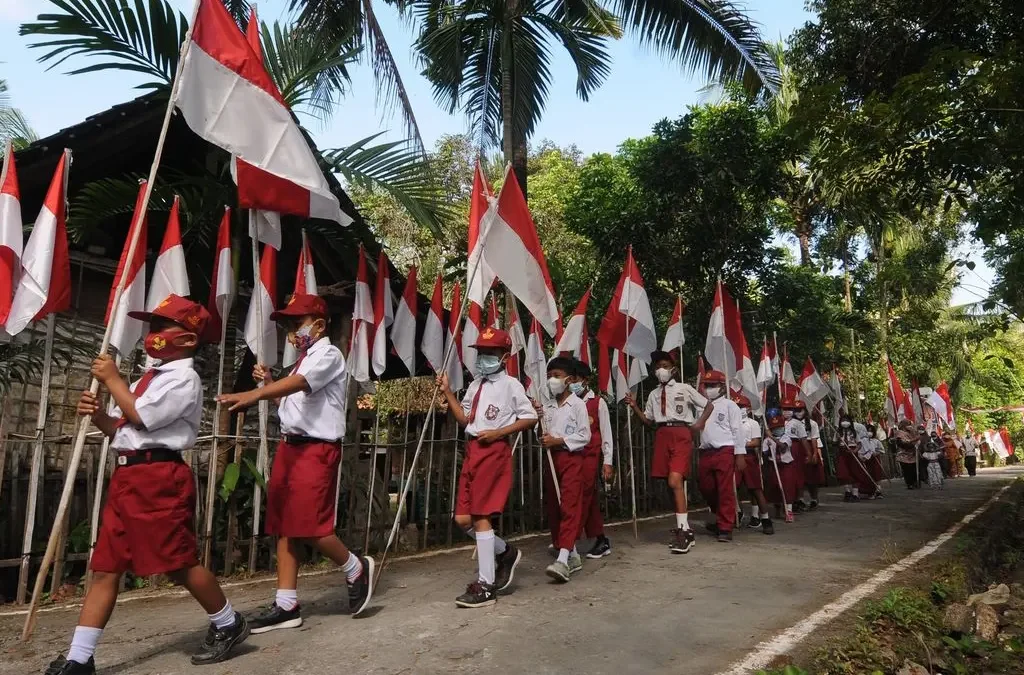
[
  {"x": 604, "y": 422},
  {"x": 502, "y": 401},
  {"x": 170, "y": 409},
  {"x": 751, "y": 430},
  {"x": 778, "y": 448},
  {"x": 318, "y": 412},
  {"x": 795, "y": 429},
  {"x": 682, "y": 403},
  {"x": 568, "y": 421},
  {"x": 865, "y": 449},
  {"x": 862, "y": 431},
  {"x": 815, "y": 435},
  {"x": 970, "y": 447},
  {"x": 724, "y": 427}
]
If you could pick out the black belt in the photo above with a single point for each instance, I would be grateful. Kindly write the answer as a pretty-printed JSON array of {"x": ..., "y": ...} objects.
[
  {"x": 731, "y": 448},
  {"x": 305, "y": 440},
  {"x": 672, "y": 424},
  {"x": 148, "y": 456}
]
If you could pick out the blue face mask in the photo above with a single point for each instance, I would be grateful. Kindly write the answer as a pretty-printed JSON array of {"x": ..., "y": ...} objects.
[
  {"x": 488, "y": 364},
  {"x": 576, "y": 388}
]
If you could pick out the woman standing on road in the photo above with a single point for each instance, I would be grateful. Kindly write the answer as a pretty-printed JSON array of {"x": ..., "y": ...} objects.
[{"x": 906, "y": 439}]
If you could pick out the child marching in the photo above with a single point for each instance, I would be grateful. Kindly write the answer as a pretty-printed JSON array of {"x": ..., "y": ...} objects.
[
  {"x": 723, "y": 454},
  {"x": 780, "y": 468},
  {"x": 597, "y": 462},
  {"x": 751, "y": 477}
]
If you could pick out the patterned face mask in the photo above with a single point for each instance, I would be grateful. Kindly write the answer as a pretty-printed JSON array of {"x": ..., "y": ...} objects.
[
  {"x": 303, "y": 337},
  {"x": 161, "y": 346}
]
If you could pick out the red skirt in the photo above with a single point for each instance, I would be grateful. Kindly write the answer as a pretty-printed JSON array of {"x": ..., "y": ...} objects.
[
  {"x": 485, "y": 480},
  {"x": 787, "y": 473},
  {"x": 751, "y": 476},
  {"x": 147, "y": 526},
  {"x": 846, "y": 467},
  {"x": 302, "y": 490},
  {"x": 814, "y": 474},
  {"x": 673, "y": 450}
]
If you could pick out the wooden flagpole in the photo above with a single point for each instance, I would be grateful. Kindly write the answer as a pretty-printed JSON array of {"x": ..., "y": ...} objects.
[
  {"x": 373, "y": 475},
  {"x": 262, "y": 455},
  {"x": 211, "y": 478},
  {"x": 629, "y": 411}
]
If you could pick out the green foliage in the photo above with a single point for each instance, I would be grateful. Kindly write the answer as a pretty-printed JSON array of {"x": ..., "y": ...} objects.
[
  {"x": 786, "y": 670},
  {"x": 905, "y": 608}
]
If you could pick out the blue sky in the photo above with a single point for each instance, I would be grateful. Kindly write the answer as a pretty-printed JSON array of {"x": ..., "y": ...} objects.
[{"x": 642, "y": 89}]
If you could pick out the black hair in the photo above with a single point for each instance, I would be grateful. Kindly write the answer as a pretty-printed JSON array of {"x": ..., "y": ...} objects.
[
  {"x": 581, "y": 369},
  {"x": 563, "y": 363},
  {"x": 659, "y": 355}
]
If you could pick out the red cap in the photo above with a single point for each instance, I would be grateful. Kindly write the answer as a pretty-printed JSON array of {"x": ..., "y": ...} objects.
[
  {"x": 776, "y": 421},
  {"x": 494, "y": 338},
  {"x": 301, "y": 304},
  {"x": 741, "y": 400},
  {"x": 189, "y": 315},
  {"x": 713, "y": 376},
  {"x": 789, "y": 403}
]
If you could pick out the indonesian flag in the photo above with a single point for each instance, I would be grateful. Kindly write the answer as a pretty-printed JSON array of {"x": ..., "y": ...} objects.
[
  {"x": 264, "y": 297},
  {"x": 169, "y": 273},
  {"x": 228, "y": 99},
  {"x": 518, "y": 339},
  {"x": 455, "y": 379},
  {"x": 908, "y": 408},
  {"x": 604, "y": 370},
  {"x": 790, "y": 389},
  {"x": 1004, "y": 436},
  {"x": 766, "y": 369},
  {"x": 895, "y": 398},
  {"x": 970, "y": 427},
  {"x": 559, "y": 330},
  {"x": 432, "y": 344},
  {"x": 383, "y": 315},
  {"x": 479, "y": 284},
  {"x": 702, "y": 368},
  {"x": 585, "y": 356},
  {"x": 917, "y": 401},
  {"x": 471, "y": 331},
  {"x": 305, "y": 282},
  {"x": 44, "y": 285},
  {"x": 628, "y": 373},
  {"x": 941, "y": 403},
  {"x": 575, "y": 333},
  {"x": 812, "y": 387},
  {"x": 535, "y": 365},
  {"x": 11, "y": 236},
  {"x": 125, "y": 332},
  {"x": 997, "y": 442},
  {"x": 726, "y": 347},
  {"x": 493, "y": 318},
  {"x": 628, "y": 325},
  {"x": 362, "y": 322},
  {"x": 674, "y": 338},
  {"x": 222, "y": 282},
  {"x": 637, "y": 372},
  {"x": 839, "y": 400},
  {"x": 511, "y": 249},
  {"x": 403, "y": 331}
]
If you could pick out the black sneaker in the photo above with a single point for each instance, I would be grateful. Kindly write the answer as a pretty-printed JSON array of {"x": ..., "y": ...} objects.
[
  {"x": 799, "y": 507},
  {"x": 848, "y": 497},
  {"x": 754, "y": 524},
  {"x": 766, "y": 526},
  {"x": 273, "y": 618},
  {"x": 854, "y": 498},
  {"x": 220, "y": 641},
  {"x": 602, "y": 547},
  {"x": 61, "y": 666},
  {"x": 684, "y": 541},
  {"x": 712, "y": 528},
  {"x": 477, "y": 595},
  {"x": 505, "y": 567},
  {"x": 725, "y": 537},
  {"x": 361, "y": 590},
  {"x": 813, "y": 506}
]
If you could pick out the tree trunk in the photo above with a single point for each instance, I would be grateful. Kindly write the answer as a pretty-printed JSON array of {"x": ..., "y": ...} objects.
[
  {"x": 883, "y": 295},
  {"x": 802, "y": 228},
  {"x": 513, "y": 147}
]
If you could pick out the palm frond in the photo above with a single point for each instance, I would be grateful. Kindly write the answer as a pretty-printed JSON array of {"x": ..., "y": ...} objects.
[
  {"x": 13, "y": 124},
  {"x": 398, "y": 169},
  {"x": 140, "y": 36}
]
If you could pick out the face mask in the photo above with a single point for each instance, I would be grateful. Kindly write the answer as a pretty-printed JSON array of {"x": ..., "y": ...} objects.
[
  {"x": 663, "y": 375},
  {"x": 844, "y": 425},
  {"x": 303, "y": 338},
  {"x": 161, "y": 344},
  {"x": 800, "y": 414},
  {"x": 576, "y": 388},
  {"x": 787, "y": 414},
  {"x": 778, "y": 433},
  {"x": 488, "y": 364},
  {"x": 556, "y": 386},
  {"x": 713, "y": 392}
]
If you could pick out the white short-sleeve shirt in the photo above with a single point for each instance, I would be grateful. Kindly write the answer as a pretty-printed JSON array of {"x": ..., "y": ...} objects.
[
  {"x": 683, "y": 403},
  {"x": 568, "y": 421},
  {"x": 751, "y": 430},
  {"x": 724, "y": 427},
  {"x": 502, "y": 402},
  {"x": 170, "y": 410},
  {"x": 795, "y": 429},
  {"x": 318, "y": 412},
  {"x": 779, "y": 448}
]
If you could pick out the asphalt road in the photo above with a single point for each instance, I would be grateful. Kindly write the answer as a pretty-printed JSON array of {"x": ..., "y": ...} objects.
[{"x": 640, "y": 610}]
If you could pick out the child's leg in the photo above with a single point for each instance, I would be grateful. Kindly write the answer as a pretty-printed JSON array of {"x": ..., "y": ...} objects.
[
  {"x": 333, "y": 548},
  {"x": 204, "y": 587},
  {"x": 465, "y": 523},
  {"x": 96, "y": 610},
  {"x": 484, "y": 535},
  {"x": 675, "y": 485}
]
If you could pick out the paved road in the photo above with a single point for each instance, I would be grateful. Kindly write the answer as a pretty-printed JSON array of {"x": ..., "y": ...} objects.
[{"x": 640, "y": 610}]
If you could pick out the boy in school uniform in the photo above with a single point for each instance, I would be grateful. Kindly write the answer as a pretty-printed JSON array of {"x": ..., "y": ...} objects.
[
  {"x": 147, "y": 525},
  {"x": 751, "y": 477},
  {"x": 723, "y": 454},
  {"x": 302, "y": 487},
  {"x": 780, "y": 467},
  {"x": 814, "y": 469},
  {"x": 494, "y": 408},
  {"x": 597, "y": 461},
  {"x": 794, "y": 412},
  {"x": 675, "y": 409},
  {"x": 566, "y": 433}
]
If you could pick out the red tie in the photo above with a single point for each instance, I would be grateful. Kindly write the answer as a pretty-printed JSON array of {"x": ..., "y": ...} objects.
[
  {"x": 140, "y": 389},
  {"x": 664, "y": 400},
  {"x": 298, "y": 363},
  {"x": 476, "y": 401}
]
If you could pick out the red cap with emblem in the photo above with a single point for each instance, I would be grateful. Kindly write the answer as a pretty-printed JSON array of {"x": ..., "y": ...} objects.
[
  {"x": 713, "y": 376},
  {"x": 493, "y": 338},
  {"x": 741, "y": 400},
  {"x": 182, "y": 311},
  {"x": 302, "y": 304},
  {"x": 776, "y": 421}
]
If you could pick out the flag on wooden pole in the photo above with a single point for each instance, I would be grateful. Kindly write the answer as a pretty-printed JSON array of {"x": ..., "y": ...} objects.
[
  {"x": 455, "y": 379},
  {"x": 604, "y": 371},
  {"x": 125, "y": 331},
  {"x": 813, "y": 388},
  {"x": 305, "y": 283},
  {"x": 674, "y": 337},
  {"x": 362, "y": 321},
  {"x": 432, "y": 344},
  {"x": 535, "y": 365},
  {"x": 628, "y": 325},
  {"x": 471, "y": 331},
  {"x": 383, "y": 314},
  {"x": 11, "y": 235},
  {"x": 516, "y": 337},
  {"x": 575, "y": 333},
  {"x": 169, "y": 273},
  {"x": 222, "y": 281},
  {"x": 264, "y": 296},
  {"x": 403, "y": 331}
]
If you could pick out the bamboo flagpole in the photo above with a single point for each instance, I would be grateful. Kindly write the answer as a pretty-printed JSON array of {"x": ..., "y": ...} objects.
[
  {"x": 83, "y": 427},
  {"x": 262, "y": 455},
  {"x": 211, "y": 478},
  {"x": 629, "y": 411},
  {"x": 373, "y": 475},
  {"x": 97, "y": 508}
]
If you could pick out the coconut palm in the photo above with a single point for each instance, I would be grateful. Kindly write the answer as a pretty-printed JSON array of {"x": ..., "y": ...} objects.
[{"x": 13, "y": 125}]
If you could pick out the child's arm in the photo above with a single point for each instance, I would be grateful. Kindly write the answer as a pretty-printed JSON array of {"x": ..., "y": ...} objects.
[
  {"x": 454, "y": 404},
  {"x": 105, "y": 370},
  {"x": 271, "y": 391},
  {"x": 631, "y": 402},
  {"x": 88, "y": 404}
]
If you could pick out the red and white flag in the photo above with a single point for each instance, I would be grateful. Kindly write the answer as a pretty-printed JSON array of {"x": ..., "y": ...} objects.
[
  {"x": 702, "y": 368},
  {"x": 572, "y": 340},
  {"x": 813, "y": 388},
  {"x": 169, "y": 272},
  {"x": 604, "y": 371},
  {"x": 511, "y": 249},
  {"x": 471, "y": 331},
  {"x": 480, "y": 282},
  {"x": 383, "y": 314},
  {"x": 44, "y": 285},
  {"x": 228, "y": 99},
  {"x": 362, "y": 323},
  {"x": 726, "y": 347},
  {"x": 674, "y": 338},
  {"x": 585, "y": 356},
  {"x": 628, "y": 325},
  {"x": 455, "y": 378},
  {"x": 941, "y": 403},
  {"x": 628, "y": 373},
  {"x": 125, "y": 332},
  {"x": 11, "y": 235},
  {"x": 403, "y": 331},
  {"x": 493, "y": 317},
  {"x": 222, "y": 282},
  {"x": 765, "y": 370},
  {"x": 1007, "y": 443},
  {"x": 432, "y": 344},
  {"x": 536, "y": 364},
  {"x": 261, "y": 306},
  {"x": 518, "y": 339},
  {"x": 305, "y": 282},
  {"x": 790, "y": 389},
  {"x": 894, "y": 403}
]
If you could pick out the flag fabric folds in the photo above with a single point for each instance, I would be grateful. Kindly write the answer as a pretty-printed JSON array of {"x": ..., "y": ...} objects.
[
  {"x": 222, "y": 286},
  {"x": 575, "y": 333},
  {"x": 432, "y": 344},
  {"x": 305, "y": 282},
  {"x": 813, "y": 388},
  {"x": 264, "y": 297},
  {"x": 362, "y": 322},
  {"x": 11, "y": 236},
  {"x": 628, "y": 325},
  {"x": 674, "y": 337},
  {"x": 125, "y": 332},
  {"x": 169, "y": 273},
  {"x": 479, "y": 283},
  {"x": 455, "y": 378},
  {"x": 383, "y": 315},
  {"x": 403, "y": 331}
]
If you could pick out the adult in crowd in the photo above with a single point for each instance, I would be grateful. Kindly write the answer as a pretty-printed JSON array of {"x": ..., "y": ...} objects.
[{"x": 907, "y": 438}]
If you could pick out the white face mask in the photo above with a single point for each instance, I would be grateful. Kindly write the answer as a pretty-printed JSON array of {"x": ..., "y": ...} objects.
[
  {"x": 577, "y": 388},
  {"x": 488, "y": 364},
  {"x": 778, "y": 433},
  {"x": 556, "y": 385},
  {"x": 845, "y": 425},
  {"x": 787, "y": 414},
  {"x": 713, "y": 392},
  {"x": 800, "y": 414},
  {"x": 745, "y": 411},
  {"x": 663, "y": 375}
]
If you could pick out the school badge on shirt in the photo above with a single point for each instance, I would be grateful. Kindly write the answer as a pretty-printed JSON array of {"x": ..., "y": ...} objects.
[
  {"x": 491, "y": 413},
  {"x": 679, "y": 409}
]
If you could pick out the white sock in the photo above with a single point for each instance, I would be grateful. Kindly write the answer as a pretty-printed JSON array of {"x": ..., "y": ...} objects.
[
  {"x": 856, "y": 492},
  {"x": 287, "y": 599},
  {"x": 83, "y": 644},
  {"x": 683, "y": 521},
  {"x": 225, "y": 617},
  {"x": 485, "y": 556},
  {"x": 755, "y": 512},
  {"x": 789, "y": 508},
  {"x": 575, "y": 552},
  {"x": 499, "y": 545},
  {"x": 352, "y": 567},
  {"x": 563, "y": 556}
]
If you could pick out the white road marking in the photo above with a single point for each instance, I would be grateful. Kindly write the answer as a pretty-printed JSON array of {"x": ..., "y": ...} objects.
[{"x": 768, "y": 650}]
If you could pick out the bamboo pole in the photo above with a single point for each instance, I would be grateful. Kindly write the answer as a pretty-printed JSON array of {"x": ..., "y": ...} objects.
[
  {"x": 211, "y": 478},
  {"x": 373, "y": 475},
  {"x": 229, "y": 547},
  {"x": 263, "y": 452},
  {"x": 3, "y": 442},
  {"x": 426, "y": 496}
]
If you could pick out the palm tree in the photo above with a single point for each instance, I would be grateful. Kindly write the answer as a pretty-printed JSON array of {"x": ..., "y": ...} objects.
[
  {"x": 491, "y": 58},
  {"x": 13, "y": 125}
]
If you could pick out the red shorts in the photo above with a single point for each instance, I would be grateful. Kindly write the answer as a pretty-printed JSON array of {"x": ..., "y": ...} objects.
[
  {"x": 302, "y": 490},
  {"x": 751, "y": 476},
  {"x": 485, "y": 480},
  {"x": 787, "y": 474},
  {"x": 147, "y": 526},
  {"x": 563, "y": 507},
  {"x": 875, "y": 468},
  {"x": 673, "y": 448},
  {"x": 814, "y": 474}
]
